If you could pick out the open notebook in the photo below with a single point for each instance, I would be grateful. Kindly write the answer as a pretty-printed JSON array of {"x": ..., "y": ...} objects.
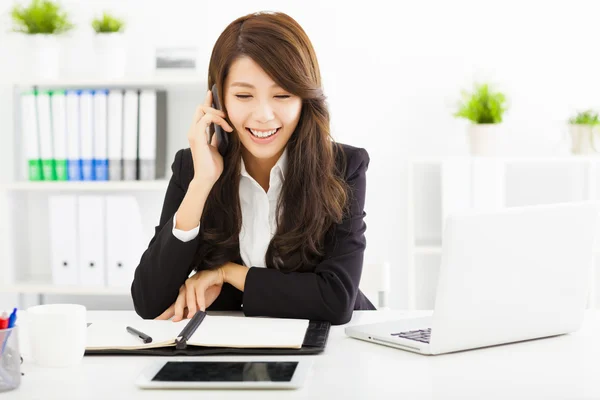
[{"x": 213, "y": 331}]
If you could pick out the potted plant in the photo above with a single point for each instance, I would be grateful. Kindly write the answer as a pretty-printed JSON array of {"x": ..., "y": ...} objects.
[
  {"x": 41, "y": 21},
  {"x": 582, "y": 128},
  {"x": 485, "y": 109},
  {"x": 109, "y": 44}
]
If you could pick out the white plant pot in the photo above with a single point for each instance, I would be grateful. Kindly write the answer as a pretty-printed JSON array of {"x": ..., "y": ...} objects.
[
  {"x": 43, "y": 56},
  {"x": 111, "y": 55},
  {"x": 77, "y": 56},
  {"x": 585, "y": 139},
  {"x": 485, "y": 139}
]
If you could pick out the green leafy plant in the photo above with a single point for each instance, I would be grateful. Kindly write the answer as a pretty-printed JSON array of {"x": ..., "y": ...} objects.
[
  {"x": 587, "y": 117},
  {"x": 40, "y": 17},
  {"x": 482, "y": 106},
  {"x": 108, "y": 24}
]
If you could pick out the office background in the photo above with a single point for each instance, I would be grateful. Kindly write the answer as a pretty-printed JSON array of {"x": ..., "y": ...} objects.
[{"x": 393, "y": 73}]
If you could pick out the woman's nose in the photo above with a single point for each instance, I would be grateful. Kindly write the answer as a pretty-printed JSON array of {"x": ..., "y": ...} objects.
[{"x": 263, "y": 113}]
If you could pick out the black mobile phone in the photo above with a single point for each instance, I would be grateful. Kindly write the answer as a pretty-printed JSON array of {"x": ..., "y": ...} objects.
[{"x": 222, "y": 136}]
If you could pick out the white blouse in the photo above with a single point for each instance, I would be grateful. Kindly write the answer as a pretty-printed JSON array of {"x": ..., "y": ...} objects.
[{"x": 259, "y": 221}]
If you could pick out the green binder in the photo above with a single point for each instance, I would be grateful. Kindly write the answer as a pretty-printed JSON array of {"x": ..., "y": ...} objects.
[
  {"x": 44, "y": 128},
  {"x": 58, "y": 119},
  {"x": 30, "y": 135}
]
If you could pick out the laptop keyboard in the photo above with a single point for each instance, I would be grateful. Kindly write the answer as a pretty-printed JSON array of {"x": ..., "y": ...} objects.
[{"x": 421, "y": 335}]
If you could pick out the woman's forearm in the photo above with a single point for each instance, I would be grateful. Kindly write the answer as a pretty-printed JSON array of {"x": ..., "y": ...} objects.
[
  {"x": 190, "y": 209},
  {"x": 235, "y": 275}
]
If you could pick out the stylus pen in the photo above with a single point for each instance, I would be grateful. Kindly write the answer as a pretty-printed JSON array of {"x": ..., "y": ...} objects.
[{"x": 141, "y": 335}]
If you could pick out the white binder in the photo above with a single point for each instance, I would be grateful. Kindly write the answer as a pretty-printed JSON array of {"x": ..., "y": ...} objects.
[
  {"x": 91, "y": 223},
  {"x": 124, "y": 239},
  {"x": 100, "y": 135},
  {"x": 86, "y": 134},
  {"x": 59, "y": 133},
  {"x": 152, "y": 134},
  {"x": 115, "y": 135},
  {"x": 147, "y": 143},
  {"x": 30, "y": 137},
  {"x": 73, "y": 148},
  {"x": 45, "y": 132},
  {"x": 130, "y": 135},
  {"x": 62, "y": 213}
]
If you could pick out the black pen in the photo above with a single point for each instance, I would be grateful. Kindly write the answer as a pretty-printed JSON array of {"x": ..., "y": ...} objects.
[{"x": 141, "y": 335}]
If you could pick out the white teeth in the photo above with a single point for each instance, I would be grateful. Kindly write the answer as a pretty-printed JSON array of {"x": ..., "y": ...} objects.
[{"x": 262, "y": 134}]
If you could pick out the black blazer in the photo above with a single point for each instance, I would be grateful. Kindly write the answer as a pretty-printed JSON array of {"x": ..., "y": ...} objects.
[{"x": 328, "y": 293}]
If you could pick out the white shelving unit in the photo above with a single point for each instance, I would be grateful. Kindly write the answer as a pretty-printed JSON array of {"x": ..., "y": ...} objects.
[
  {"x": 439, "y": 187},
  {"x": 164, "y": 79},
  {"x": 47, "y": 287},
  {"x": 137, "y": 186},
  {"x": 24, "y": 247}
]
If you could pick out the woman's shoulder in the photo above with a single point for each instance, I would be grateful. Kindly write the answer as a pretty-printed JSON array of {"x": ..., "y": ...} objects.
[{"x": 351, "y": 160}]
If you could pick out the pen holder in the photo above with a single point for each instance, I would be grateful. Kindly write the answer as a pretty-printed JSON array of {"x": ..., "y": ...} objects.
[{"x": 10, "y": 359}]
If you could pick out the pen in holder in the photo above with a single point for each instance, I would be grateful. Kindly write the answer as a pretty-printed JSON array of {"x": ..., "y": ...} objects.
[{"x": 10, "y": 359}]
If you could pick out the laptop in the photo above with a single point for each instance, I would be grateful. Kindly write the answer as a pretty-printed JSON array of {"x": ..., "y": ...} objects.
[{"x": 506, "y": 276}]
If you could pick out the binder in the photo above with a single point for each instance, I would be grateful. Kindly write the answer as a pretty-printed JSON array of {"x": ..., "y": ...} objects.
[
  {"x": 100, "y": 160},
  {"x": 73, "y": 148},
  {"x": 62, "y": 212},
  {"x": 130, "y": 135},
  {"x": 58, "y": 113},
  {"x": 90, "y": 219},
  {"x": 152, "y": 134},
  {"x": 314, "y": 342},
  {"x": 45, "y": 135},
  {"x": 124, "y": 239},
  {"x": 115, "y": 135},
  {"x": 30, "y": 136},
  {"x": 86, "y": 134}
]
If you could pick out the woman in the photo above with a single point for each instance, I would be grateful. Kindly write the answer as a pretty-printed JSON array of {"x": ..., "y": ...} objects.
[{"x": 275, "y": 226}]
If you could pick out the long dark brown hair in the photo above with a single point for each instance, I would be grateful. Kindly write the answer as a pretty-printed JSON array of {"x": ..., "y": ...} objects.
[{"x": 314, "y": 194}]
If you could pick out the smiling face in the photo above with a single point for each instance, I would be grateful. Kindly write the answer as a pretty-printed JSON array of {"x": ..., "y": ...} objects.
[{"x": 263, "y": 114}]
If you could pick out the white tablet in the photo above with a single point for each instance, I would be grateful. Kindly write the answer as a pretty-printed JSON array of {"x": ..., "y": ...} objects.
[{"x": 195, "y": 374}]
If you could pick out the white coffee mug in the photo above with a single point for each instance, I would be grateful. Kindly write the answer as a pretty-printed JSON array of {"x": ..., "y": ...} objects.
[{"x": 57, "y": 334}]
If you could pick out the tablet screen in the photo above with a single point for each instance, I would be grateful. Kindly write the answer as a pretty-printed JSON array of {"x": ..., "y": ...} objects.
[{"x": 225, "y": 371}]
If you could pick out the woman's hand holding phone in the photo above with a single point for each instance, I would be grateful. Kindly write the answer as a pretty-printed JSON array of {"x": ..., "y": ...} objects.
[{"x": 208, "y": 163}]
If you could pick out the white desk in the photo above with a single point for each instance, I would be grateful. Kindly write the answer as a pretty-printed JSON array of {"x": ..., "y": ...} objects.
[{"x": 564, "y": 367}]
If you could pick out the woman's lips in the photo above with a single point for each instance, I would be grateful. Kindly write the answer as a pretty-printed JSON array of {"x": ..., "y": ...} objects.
[{"x": 266, "y": 140}]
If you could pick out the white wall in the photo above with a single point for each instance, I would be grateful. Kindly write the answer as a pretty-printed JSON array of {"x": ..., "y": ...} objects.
[{"x": 393, "y": 72}]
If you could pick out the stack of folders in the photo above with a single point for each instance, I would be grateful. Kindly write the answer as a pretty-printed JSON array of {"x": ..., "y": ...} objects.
[
  {"x": 95, "y": 240},
  {"x": 94, "y": 135}
]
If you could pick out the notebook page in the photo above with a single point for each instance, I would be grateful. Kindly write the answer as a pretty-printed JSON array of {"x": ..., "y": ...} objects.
[
  {"x": 228, "y": 331},
  {"x": 103, "y": 335}
]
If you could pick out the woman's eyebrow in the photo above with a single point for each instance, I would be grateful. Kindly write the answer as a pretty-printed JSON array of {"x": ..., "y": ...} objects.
[{"x": 247, "y": 85}]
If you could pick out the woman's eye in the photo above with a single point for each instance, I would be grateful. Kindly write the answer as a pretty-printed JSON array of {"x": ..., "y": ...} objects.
[{"x": 246, "y": 96}]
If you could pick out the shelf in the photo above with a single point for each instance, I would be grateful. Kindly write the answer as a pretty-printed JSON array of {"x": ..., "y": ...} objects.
[
  {"x": 428, "y": 249},
  {"x": 193, "y": 80},
  {"x": 438, "y": 250},
  {"x": 86, "y": 186},
  {"x": 44, "y": 287},
  {"x": 506, "y": 159}
]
